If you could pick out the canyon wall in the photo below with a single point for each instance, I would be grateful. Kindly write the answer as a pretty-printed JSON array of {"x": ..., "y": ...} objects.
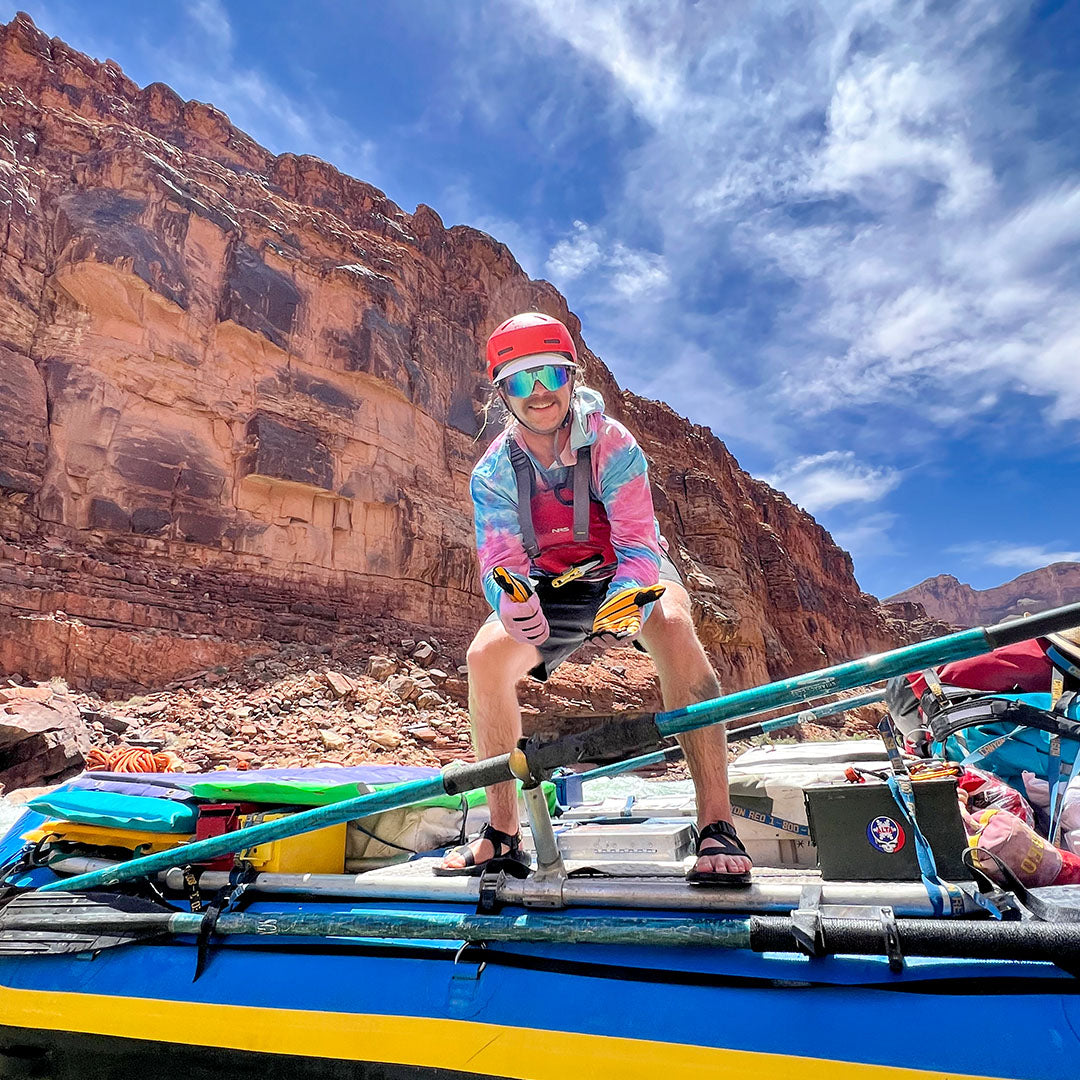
[
  {"x": 240, "y": 397},
  {"x": 945, "y": 597}
]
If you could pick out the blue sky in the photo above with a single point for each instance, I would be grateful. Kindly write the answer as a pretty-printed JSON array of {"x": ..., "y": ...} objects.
[{"x": 844, "y": 235}]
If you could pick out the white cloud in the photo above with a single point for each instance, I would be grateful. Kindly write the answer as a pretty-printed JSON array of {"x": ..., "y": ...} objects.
[
  {"x": 1015, "y": 556},
  {"x": 824, "y": 481},
  {"x": 204, "y": 65},
  {"x": 853, "y": 153},
  {"x": 574, "y": 254},
  {"x": 213, "y": 19},
  {"x": 632, "y": 274},
  {"x": 636, "y": 41}
]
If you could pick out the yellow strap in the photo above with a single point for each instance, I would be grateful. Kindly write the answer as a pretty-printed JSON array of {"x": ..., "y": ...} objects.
[{"x": 1057, "y": 686}]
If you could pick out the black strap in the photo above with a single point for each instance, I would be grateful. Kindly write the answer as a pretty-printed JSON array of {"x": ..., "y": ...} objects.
[
  {"x": 723, "y": 831},
  {"x": 526, "y": 481},
  {"x": 227, "y": 898},
  {"x": 497, "y": 839},
  {"x": 526, "y": 486},
  {"x": 988, "y": 710},
  {"x": 1043, "y": 910},
  {"x": 582, "y": 484}
]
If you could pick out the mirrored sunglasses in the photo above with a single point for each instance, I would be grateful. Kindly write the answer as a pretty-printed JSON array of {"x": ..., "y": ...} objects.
[{"x": 550, "y": 377}]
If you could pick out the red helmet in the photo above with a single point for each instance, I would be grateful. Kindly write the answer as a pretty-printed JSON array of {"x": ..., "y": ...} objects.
[{"x": 526, "y": 335}]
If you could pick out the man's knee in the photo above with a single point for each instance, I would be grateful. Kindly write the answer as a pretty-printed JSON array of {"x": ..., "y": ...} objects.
[
  {"x": 493, "y": 654},
  {"x": 672, "y": 616}
]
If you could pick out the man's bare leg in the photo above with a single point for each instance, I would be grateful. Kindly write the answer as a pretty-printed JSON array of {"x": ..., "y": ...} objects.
[
  {"x": 687, "y": 677},
  {"x": 496, "y": 663}
]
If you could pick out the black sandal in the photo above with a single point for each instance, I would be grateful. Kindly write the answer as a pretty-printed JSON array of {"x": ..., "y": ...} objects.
[
  {"x": 730, "y": 844},
  {"x": 513, "y": 860}
]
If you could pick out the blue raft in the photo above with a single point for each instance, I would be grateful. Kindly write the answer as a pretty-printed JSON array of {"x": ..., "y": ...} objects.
[
  {"x": 399, "y": 1004},
  {"x": 334, "y": 975}
]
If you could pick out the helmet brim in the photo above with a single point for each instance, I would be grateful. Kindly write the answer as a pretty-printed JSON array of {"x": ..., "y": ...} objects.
[{"x": 534, "y": 360}]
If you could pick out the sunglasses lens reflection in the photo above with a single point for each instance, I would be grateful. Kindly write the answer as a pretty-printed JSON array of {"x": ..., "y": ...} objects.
[{"x": 550, "y": 377}]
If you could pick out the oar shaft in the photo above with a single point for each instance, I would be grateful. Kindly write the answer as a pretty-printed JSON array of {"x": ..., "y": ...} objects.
[
  {"x": 818, "y": 712},
  {"x": 827, "y": 681},
  {"x": 730, "y": 932}
]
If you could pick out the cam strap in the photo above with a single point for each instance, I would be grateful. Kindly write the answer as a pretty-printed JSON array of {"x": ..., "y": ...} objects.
[
  {"x": 227, "y": 898},
  {"x": 900, "y": 785}
]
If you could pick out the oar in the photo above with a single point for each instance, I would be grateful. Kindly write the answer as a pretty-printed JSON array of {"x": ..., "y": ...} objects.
[
  {"x": 619, "y": 734},
  {"x": 749, "y": 731},
  {"x": 61, "y": 923}
]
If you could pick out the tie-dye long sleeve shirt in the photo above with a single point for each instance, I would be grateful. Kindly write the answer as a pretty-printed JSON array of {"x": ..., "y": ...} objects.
[{"x": 620, "y": 478}]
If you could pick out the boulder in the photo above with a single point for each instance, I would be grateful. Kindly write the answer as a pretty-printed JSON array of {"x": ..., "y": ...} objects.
[{"x": 41, "y": 741}]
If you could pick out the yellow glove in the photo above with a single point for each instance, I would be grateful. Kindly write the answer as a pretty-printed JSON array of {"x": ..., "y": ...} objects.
[
  {"x": 518, "y": 589},
  {"x": 618, "y": 621},
  {"x": 520, "y": 610}
]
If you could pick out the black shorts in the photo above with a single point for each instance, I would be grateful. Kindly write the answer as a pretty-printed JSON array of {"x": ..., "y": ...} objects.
[{"x": 570, "y": 612}]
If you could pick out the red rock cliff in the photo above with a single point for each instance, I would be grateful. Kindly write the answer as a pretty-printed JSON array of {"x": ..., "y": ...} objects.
[
  {"x": 239, "y": 400},
  {"x": 945, "y": 597}
]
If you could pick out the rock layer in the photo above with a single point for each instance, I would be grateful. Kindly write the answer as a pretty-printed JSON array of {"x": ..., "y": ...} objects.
[{"x": 240, "y": 397}]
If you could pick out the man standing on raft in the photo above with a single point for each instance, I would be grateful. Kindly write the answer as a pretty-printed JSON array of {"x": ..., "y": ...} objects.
[{"x": 570, "y": 552}]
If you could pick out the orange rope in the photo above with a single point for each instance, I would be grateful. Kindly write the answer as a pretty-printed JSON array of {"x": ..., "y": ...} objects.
[{"x": 133, "y": 759}]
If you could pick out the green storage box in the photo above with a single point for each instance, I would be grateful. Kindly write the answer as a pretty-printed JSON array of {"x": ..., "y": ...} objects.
[{"x": 862, "y": 835}]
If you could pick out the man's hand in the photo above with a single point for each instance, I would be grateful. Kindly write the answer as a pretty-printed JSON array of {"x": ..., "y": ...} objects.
[
  {"x": 519, "y": 609},
  {"x": 619, "y": 619}
]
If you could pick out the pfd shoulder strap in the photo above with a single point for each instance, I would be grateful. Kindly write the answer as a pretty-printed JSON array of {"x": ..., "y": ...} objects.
[
  {"x": 526, "y": 486},
  {"x": 582, "y": 483},
  {"x": 526, "y": 481}
]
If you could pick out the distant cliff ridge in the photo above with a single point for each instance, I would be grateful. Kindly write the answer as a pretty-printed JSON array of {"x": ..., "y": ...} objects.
[
  {"x": 240, "y": 400},
  {"x": 944, "y": 597}
]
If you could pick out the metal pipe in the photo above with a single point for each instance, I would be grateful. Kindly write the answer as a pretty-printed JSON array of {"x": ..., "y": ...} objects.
[
  {"x": 549, "y": 860},
  {"x": 906, "y": 898}
]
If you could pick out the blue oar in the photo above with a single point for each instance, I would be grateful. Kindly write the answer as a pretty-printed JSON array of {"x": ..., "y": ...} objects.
[
  {"x": 35, "y": 925},
  {"x": 830, "y": 708},
  {"x": 628, "y": 734}
]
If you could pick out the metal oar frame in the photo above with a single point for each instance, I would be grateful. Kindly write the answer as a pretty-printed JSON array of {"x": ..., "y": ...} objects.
[{"x": 864, "y": 929}]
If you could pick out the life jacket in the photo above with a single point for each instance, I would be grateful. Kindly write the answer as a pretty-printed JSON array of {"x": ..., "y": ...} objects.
[
  {"x": 1028, "y": 667},
  {"x": 565, "y": 525}
]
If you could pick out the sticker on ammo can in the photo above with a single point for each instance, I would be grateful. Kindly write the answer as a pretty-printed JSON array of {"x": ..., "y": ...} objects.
[{"x": 886, "y": 835}]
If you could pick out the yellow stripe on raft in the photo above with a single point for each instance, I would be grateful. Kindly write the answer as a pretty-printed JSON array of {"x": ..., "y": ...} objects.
[{"x": 464, "y": 1045}]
